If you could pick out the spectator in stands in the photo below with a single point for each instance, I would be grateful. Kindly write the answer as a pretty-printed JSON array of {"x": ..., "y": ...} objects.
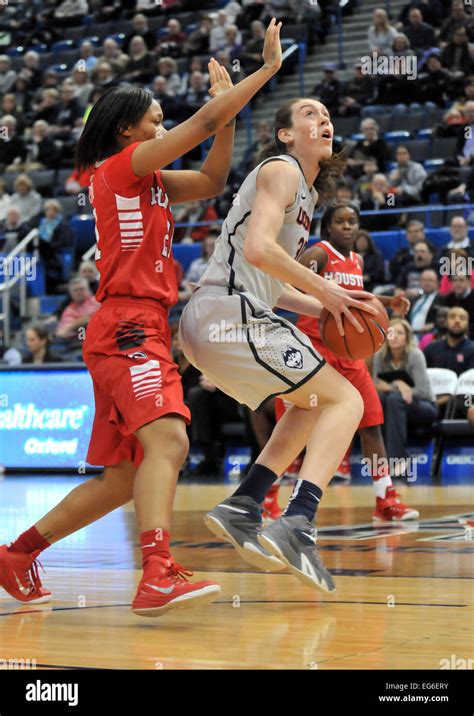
[
  {"x": 190, "y": 213},
  {"x": 374, "y": 272},
  {"x": 111, "y": 11},
  {"x": 87, "y": 58},
  {"x": 456, "y": 56},
  {"x": 39, "y": 346},
  {"x": 55, "y": 235},
  {"x": 251, "y": 52},
  {"x": 370, "y": 146},
  {"x": 407, "y": 177},
  {"x": 168, "y": 68},
  {"x": 329, "y": 90},
  {"x": 31, "y": 69},
  {"x": 70, "y": 12},
  {"x": 151, "y": 7},
  {"x": 69, "y": 116},
  {"x": 42, "y": 152},
  {"x": 172, "y": 43},
  {"x": 281, "y": 10},
  {"x": 401, "y": 379},
  {"x": 377, "y": 199},
  {"x": 22, "y": 92},
  {"x": 79, "y": 311},
  {"x": 462, "y": 296},
  {"x": 465, "y": 144},
  {"x": 196, "y": 65},
  {"x": 409, "y": 278},
  {"x": 420, "y": 34},
  {"x": 105, "y": 77},
  {"x": 198, "y": 266},
  {"x": 196, "y": 96},
  {"x": 401, "y": 46},
  {"x": 210, "y": 408},
  {"x": 415, "y": 232},
  {"x": 12, "y": 147},
  {"x": 8, "y": 356},
  {"x": 198, "y": 41},
  {"x": 458, "y": 18},
  {"x": 250, "y": 158},
  {"x": 112, "y": 54},
  {"x": 231, "y": 44},
  {"x": 26, "y": 199},
  {"x": 224, "y": 58},
  {"x": 396, "y": 88},
  {"x": 363, "y": 184},
  {"x": 48, "y": 106},
  {"x": 9, "y": 106},
  {"x": 168, "y": 103},
  {"x": 345, "y": 195},
  {"x": 5, "y": 201},
  {"x": 7, "y": 75},
  {"x": 82, "y": 85},
  {"x": 141, "y": 65},
  {"x": 88, "y": 270},
  {"x": 217, "y": 33},
  {"x": 459, "y": 231},
  {"x": 356, "y": 92},
  {"x": 140, "y": 27},
  {"x": 431, "y": 11},
  {"x": 423, "y": 309},
  {"x": 440, "y": 329},
  {"x": 454, "y": 262},
  {"x": 381, "y": 33},
  {"x": 13, "y": 229},
  {"x": 454, "y": 352},
  {"x": 435, "y": 82}
]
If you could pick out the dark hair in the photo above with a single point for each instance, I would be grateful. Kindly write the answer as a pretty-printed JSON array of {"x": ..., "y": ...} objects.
[
  {"x": 330, "y": 169},
  {"x": 328, "y": 215},
  {"x": 118, "y": 108},
  {"x": 41, "y": 333},
  {"x": 371, "y": 248}
]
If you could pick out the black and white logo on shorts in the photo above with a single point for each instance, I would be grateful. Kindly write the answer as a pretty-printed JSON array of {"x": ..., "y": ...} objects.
[{"x": 293, "y": 358}]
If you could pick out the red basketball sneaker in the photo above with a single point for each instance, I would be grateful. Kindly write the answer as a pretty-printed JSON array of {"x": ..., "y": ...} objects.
[
  {"x": 391, "y": 509},
  {"x": 271, "y": 509},
  {"x": 19, "y": 576},
  {"x": 164, "y": 586}
]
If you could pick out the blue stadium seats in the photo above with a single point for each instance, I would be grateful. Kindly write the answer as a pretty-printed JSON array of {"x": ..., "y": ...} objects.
[
  {"x": 63, "y": 45},
  {"x": 185, "y": 253},
  {"x": 426, "y": 133},
  {"x": 396, "y": 137},
  {"x": 83, "y": 226},
  {"x": 388, "y": 242},
  {"x": 37, "y": 287},
  {"x": 419, "y": 149},
  {"x": 50, "y": 304},
  {"x": 433, "y": 164}
]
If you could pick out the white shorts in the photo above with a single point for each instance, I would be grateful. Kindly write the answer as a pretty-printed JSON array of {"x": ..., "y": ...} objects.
[{"x": 245, "y": 349}]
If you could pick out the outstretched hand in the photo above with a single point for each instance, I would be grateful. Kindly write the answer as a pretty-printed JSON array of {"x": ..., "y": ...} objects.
[
  {"x": 272, "y": 55},
  {"x": 219, "y": 78}
]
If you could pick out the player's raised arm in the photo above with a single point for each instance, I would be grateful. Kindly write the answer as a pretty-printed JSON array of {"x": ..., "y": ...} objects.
[
  {"x": 210, "y": 179},
  {"x": 156, "y": 153},
  {"x": 277, "y": 184}
]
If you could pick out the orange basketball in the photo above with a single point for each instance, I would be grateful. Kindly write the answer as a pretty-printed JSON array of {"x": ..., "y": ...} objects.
[{"x": 354, "y": 345}]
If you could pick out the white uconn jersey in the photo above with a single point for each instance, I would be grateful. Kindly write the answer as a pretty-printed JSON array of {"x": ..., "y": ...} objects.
[{"x": 228, "y": 266}]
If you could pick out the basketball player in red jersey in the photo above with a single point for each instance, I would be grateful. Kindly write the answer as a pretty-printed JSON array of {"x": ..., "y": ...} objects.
[
  {"x": 334, "y": 258},
  {"x": 139, "y": 431}
]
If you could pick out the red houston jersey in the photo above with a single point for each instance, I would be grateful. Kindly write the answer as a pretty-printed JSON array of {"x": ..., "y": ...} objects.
[
  {"x": 345, "y": 270},
  {"x": 134, "y": 232}
]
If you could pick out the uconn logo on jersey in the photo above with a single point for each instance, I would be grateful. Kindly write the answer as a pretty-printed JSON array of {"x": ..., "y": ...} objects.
[
  {"x": 293, "y": 358},
  {"x": 347, "y": 279},
  {"x": 158, "y": 197},
  {"x": 303, "y": 219}
]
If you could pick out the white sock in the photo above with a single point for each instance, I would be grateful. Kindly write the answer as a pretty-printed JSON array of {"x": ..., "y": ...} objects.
[{"x": 380, "y": 485}]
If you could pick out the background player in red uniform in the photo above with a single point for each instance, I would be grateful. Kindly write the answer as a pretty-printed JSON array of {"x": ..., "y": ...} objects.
[
  {"x": 139, "y": 429},
  {"x": 334, "y": 258}
]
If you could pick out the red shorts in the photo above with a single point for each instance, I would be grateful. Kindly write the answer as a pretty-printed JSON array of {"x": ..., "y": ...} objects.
[
  {"x": 127, "y": 352},
  {"x": 356, "y": 373}
]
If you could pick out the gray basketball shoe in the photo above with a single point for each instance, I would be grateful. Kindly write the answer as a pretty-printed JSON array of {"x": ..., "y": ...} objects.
[
  {"x": 238, "y": 520},
  {"x": 293, "y": 540}
]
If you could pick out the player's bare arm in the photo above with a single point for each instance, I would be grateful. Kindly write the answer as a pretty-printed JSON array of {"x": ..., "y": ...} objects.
[
  {"x": 314, "y": 258},
  {"x": 157, "y": 153},
  {"x": 277, "y": 183},
  {"x": 210, "y": 180}
]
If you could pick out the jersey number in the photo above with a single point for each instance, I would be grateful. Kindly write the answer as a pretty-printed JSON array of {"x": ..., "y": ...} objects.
[
  {"x": 168, "y": 241},
  {"x": 301, "y": 246}
]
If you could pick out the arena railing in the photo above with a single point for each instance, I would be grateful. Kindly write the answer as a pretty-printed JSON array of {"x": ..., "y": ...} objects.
[{"x": 16, "y": 266}]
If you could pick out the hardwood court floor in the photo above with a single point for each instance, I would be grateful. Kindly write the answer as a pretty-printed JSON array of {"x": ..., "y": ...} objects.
[{"x": 404, "y": 595}]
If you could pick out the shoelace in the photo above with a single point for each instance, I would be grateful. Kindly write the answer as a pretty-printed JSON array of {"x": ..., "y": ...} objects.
[
  {"x": 177, "y": 572},
  {"x": 34, "y": 581}
]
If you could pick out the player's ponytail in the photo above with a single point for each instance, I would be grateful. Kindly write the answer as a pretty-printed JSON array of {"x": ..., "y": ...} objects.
[{"x": 118, "y": 108}]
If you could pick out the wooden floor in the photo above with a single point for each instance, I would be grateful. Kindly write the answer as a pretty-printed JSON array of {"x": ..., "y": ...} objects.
[{"x": 404, "y": 596}]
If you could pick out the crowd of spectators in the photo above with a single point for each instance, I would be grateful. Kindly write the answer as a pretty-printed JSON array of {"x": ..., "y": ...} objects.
[{"x": 44, "y": 108}]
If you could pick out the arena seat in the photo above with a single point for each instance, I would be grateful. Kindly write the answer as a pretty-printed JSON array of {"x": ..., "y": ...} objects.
[
  {"x": 185, "y": 253},
  {"x": 83, "y": 226}
]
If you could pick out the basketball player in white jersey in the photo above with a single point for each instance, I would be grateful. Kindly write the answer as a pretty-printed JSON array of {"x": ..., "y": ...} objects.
[{"x": 229, "y": 331}]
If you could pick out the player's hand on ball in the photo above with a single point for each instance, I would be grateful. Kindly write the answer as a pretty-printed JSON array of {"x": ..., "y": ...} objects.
[
  {"x": 219, "y": 78},
  {"x": 272, "y": 48},
  {"x": 400, "y": 304},
  {"x": 338, "y": 301}
]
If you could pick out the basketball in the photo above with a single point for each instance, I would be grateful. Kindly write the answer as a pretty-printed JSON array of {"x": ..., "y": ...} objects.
[{"x": 354, "y": 345}]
